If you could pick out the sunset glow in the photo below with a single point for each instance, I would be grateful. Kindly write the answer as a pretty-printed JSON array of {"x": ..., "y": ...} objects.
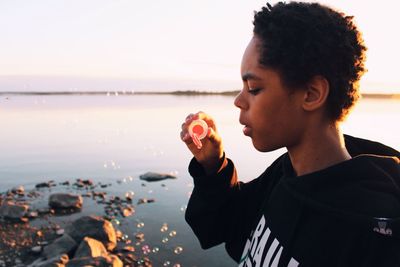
[{"x": 189, "y": 44}]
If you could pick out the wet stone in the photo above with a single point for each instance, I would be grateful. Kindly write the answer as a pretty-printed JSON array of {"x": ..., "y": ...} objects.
[
  {"x": 90, "y": 247},
  {"x": 145, "y": 200},
  {"x": 60, "y": 231},
  {"x": 63, "y": 244},
  {"x": 13, "y": 211},
  {"x": 33, "y": 214},
  {"x": 128, "y": 211},
  {"x": 18, "y": 190},
  {"x": 45, "y": 184},
  {"x": 44, "y": 211},
  {"x": 62, "y": 200},
  {"x": 139, "y": 237},
  {"x": 154, "y": 177},
  {"x": 111, "y": 261},
  {"x": 36, "y": 249},
  {"x": 94, "y": 227}
]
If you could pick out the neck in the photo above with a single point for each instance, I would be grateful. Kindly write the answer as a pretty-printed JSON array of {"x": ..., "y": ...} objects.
[{"x": 318, "y": 150}]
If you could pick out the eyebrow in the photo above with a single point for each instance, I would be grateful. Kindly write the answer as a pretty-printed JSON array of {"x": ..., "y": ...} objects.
[{"x": 250, "y": 76}]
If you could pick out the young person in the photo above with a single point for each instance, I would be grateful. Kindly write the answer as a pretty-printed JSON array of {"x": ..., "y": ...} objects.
[{"x": 332, "y": 199}]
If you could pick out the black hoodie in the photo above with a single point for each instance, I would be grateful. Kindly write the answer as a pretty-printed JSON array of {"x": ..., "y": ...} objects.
[{"x": 345, "y": 215}]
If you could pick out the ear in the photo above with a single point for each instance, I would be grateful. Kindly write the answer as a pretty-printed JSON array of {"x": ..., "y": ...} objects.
[{"x": 316, "y": 93}]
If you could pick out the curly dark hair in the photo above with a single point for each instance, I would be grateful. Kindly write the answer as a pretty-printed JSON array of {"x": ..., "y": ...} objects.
[{"x": 301, "y": 40}]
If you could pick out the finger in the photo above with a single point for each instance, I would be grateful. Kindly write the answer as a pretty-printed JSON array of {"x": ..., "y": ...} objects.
[
  {"x": 208, "y": 119},
  {"x": 189, "y": 117},
  {"x": 186, "y": 138},
  {"x": 184, "y": 126},
  {"x": 213, "y": 136}
]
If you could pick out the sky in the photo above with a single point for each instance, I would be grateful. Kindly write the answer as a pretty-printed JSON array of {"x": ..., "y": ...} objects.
[{"x": 160, "y": 45}]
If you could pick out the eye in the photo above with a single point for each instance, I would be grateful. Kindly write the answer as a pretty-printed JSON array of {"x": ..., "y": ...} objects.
[{"x": 254, "y": 91}]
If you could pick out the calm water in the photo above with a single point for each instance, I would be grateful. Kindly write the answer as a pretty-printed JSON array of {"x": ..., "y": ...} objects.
[{"x": 113, "y": 138}]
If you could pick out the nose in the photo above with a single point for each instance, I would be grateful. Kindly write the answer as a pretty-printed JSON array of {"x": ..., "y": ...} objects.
[{"x": 239, "y": 101}]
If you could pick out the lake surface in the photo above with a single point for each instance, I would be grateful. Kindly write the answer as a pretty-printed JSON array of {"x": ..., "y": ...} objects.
[{"x": 116, "y": 138}]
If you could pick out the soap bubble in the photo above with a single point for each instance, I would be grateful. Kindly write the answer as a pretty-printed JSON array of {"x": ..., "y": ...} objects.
[
  {"x": 156, "y": 250},
  {"x": 115, "y": 221},
  {"x": 146, "y": 249},
  {"x": 140, "y": 225},
  {"x": 166, "y": 263},
  {"x": 178, "y": 250},
  {"x": 172, "y": 233},
  {"x": 165, "y": 240},
  {"x": 164, "y": 227}
]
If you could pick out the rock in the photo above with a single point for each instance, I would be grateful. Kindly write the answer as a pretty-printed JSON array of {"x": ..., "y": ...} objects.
[
  {"x": 18, "y": 190},
  {"x": 127, "y": 211},
  {"x": 62, "y": 200},
  {"x": 57, "y": 261},
  {"x": 121, "y": 247},
  {"x": 90, "y": 247},
  {"x": 140, "y": 237},
  {"x": 46, "y": 184},
  {"x": 36, "y": 249},
  {"x": 44, "y": 211},
  {"x": 145, "y": 200},
  {"x": 108, "y": 261},
  {"x": 153, "y": 176},
  {"x": 33, "y": 214},
  {"x": 11, "y": 210},
  {"x": 84, "y": 183},
  {"x": 60, "y": 231},
  {"x": 94, "y": 227},
  {"x": 61, "y": 245}
]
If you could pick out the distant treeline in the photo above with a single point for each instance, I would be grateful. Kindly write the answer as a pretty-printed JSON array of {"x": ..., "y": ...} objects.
[{"x": 178, "y": 93}]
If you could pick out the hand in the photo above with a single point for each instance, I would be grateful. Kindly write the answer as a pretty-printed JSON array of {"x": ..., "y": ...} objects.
[{"x": 211, "y": 154}]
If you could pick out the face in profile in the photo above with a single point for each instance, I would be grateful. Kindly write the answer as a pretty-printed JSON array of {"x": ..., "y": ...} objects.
[{"x": 271, "y": 114}]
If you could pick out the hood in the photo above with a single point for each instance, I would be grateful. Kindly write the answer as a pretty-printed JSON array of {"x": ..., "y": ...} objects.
[{"x": 365, "y": 189}]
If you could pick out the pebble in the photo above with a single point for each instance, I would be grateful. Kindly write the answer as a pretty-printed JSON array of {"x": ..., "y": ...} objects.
[
  {"x": 129, "y": 248},
  {"x": 36, "y": 249},
  {"x": 60, "y": 232},
  {"x": 140, "y": 237},
  {"x": 18, "y": 190},
  {"x": 145, "y": 200}
]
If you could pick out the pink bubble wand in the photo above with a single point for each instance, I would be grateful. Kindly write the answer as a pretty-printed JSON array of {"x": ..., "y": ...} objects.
[{"x": 198, "y": 130}]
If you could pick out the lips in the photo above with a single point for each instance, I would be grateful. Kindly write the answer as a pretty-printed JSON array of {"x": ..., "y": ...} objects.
[{"x": 246, "y": 128}]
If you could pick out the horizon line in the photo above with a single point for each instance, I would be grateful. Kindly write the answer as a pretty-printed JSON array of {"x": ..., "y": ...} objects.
[{"x": 176, "y": 92}]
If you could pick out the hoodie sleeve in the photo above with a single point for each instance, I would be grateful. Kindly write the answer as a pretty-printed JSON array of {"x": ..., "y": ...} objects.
[{"x": 221, "y": 209}]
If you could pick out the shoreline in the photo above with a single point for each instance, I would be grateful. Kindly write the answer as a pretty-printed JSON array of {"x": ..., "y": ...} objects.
[{"x": 177, "y": 93}]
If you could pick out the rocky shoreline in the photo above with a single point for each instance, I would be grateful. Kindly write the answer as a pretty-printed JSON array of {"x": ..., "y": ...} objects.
[{"x": 48, "y": 227}]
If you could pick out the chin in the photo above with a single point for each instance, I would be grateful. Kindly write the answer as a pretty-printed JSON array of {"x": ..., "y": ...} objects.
[{"x": 265, "y": 147}]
